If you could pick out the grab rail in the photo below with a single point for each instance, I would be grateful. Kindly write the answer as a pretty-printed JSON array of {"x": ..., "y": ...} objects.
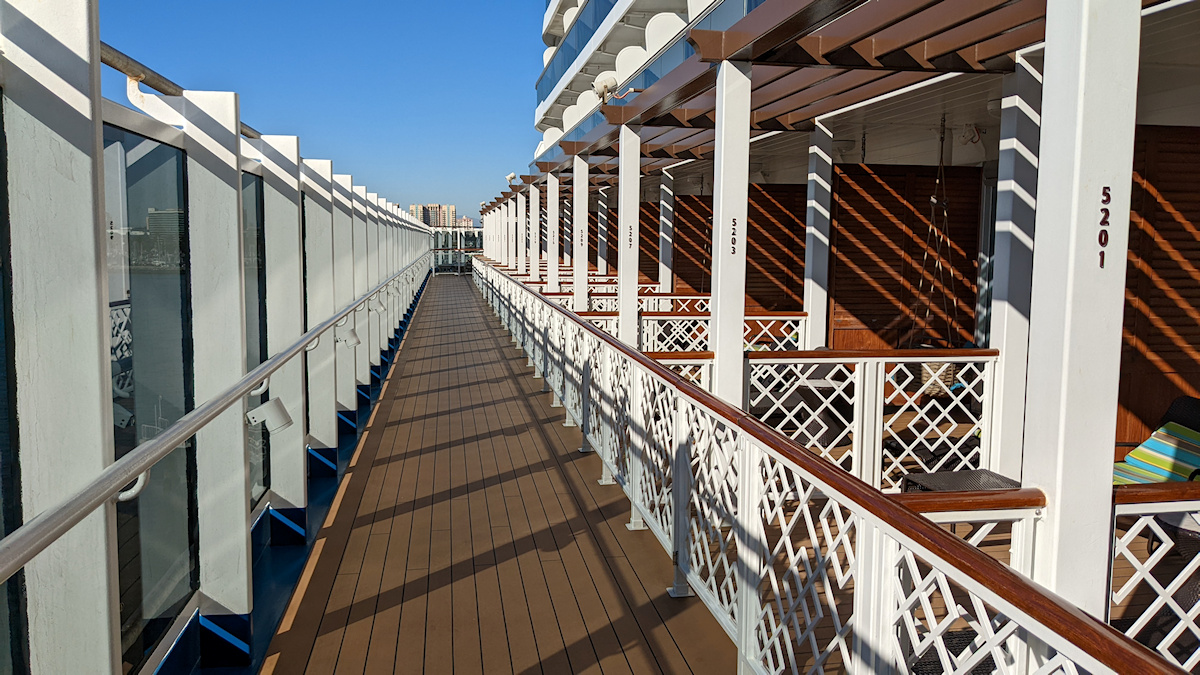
[{"x": 30, "y": 539}]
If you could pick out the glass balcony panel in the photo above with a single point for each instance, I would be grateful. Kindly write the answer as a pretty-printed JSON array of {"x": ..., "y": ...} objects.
[{"x": 150, "y": 309}]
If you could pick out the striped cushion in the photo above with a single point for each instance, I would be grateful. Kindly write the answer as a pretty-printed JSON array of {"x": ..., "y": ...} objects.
[
  {"x": 1127, "y": 474},
  {"x": 1170, "y": 454}
]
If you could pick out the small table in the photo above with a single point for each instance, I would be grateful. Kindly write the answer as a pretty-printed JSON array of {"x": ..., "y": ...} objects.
[{"x": 968, "y": 480}]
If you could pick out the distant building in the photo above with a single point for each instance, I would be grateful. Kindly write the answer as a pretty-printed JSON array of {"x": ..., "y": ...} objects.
[
  {"x": 465, "y": 223},
  {"x": 434, "y": 215}
]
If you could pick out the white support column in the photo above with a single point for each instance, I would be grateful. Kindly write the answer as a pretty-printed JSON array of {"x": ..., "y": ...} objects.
[
  {"x": 553, "y": 227},
  {"x": 362, "y": 363},
  {"x": 317, "y": 178},
  {"x": 535, "y": 234},
  {"x": 666, "y": 233},
  {"x": 510, "y": 234},
  {"x": 731, "y": 189},
  {"x": 818, "y": 229},
  {"x": 523, "y": 247},
  {"x": 629, "y": 191},
  {"x": 213, "y": 143},
  {"x": 1012, "y": 261},
  {"x": 602, "y": 233},
  {"x": 579, "y": 221},
  {"x": 1076, "y": 315},
  {"x": 61, "y": 340},
  {"x": 285, "y": 311}
]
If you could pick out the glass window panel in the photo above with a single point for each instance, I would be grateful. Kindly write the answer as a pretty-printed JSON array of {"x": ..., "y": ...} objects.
[
  {"x": 149, "y": 305},
  {"x": 253, "y": 253}
]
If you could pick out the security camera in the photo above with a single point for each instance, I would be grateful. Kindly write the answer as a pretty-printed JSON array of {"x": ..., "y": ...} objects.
[
  {"x": 272, "y": 415},
  {"x": 349, "y": 338},
  {"x": 604, "y": 86},
  {"x": 512, "y": 177}
]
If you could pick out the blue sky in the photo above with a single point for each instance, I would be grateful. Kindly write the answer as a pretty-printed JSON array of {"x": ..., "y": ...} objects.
[{"x": 428, "y": 102}]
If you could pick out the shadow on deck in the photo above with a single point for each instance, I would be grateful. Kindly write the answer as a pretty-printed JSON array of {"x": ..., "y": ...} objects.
[{"x": 470, "y": 535}]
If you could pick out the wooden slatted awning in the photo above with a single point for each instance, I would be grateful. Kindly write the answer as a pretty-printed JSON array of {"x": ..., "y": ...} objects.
[{"x": 813, "y": 57}]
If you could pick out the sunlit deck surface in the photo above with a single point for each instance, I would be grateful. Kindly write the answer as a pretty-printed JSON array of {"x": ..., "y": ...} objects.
[{"x": 471, "y": 536}]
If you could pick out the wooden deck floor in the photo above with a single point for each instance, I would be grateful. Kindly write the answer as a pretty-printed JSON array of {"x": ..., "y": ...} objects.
[{"x": 470, "y": 536}]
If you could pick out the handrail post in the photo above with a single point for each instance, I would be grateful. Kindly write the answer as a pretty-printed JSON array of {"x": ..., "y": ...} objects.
[
  {"x": 635, "y": 472},
  {"x": 750, "y": 551},
  {"x": 681, "y": 495},
  {"x": 868, "y": 421},
  {"x": 872, "y": 599},
  {"x": 585, "y": 389}
]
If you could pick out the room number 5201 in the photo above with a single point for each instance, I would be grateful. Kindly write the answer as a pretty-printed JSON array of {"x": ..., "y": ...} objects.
[{"x": 1105, "y": 199}]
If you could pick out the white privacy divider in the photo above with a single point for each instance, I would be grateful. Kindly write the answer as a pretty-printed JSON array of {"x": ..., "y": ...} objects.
[
  {"x": 807, "y": 568},
  {"x": 881, "y": 415}
]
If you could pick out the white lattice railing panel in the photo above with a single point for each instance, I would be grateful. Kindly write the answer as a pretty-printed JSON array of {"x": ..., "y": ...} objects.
[
  {"x": 935, "y": 417},
  {"x": 805, "y": 621},
  {"x": 712, "y": 540},
  {"x": 656, "y": 453},
  {"x": 674, "y": 334},
  {"x": 676, "y": 304},
  {"x": 812, "y": 403},
  {"x": 608, "y": 324},
  {"x": 1156, "y": 581},
  {"x": 776, "y": 333},
  {"x": 602, "y": 303},
  {"x": 696, "y": 371}
]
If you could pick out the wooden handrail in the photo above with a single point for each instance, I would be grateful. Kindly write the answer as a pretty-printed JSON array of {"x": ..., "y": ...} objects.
[
  {"x": 762, "y": 316},
  {"x": 852, "y": 355},
  {"x": 979, "y": 500},
  {"x": 598, "y": 314},
  {"x": 1151, "y": 493},
  {"x": 1104, "y": 643}
]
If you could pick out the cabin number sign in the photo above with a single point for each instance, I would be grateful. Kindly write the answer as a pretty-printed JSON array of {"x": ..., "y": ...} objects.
[{"x": 1105, "y": 200}]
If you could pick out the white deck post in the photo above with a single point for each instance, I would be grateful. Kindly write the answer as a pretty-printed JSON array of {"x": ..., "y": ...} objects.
[
  {"x": 1088, "y": 108},
  {"x": 374, "y": 319},
  {"x": 666, "y": 233},
  {"x": 362, "y": 284},
  {"x": 817, "y": 233},
  {"x": 51, "y": 98},
  {"x": 1012, "y": 261},
  {"x": 731, "y": 187},
  {"x": 535, "y": 234},
  {"x": 553, "y": 228},
  {"x": 629, "y": 191},
  {"x": 522, "y": 235},
  {"x": 579, "y": 222},
  {"x": 602, "y": 233},
  {"x": 285, "y": 311}
]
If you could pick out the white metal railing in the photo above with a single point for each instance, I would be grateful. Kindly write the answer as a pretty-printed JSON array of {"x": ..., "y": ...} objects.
[
  {"x": 806, "y": 568},
  {"x": 30, "y": 539},
  {"x": 1155, "y": 580},
  {"x": 880, "y": 415},
  {"x": 688, "y": 332}
]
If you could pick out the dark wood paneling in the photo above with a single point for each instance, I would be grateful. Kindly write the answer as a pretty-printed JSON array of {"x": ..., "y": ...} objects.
[
  {"x": 881, "y": 244},
  {"x": 1161, "y": 347},
  {"x": 693, "y": 243}
]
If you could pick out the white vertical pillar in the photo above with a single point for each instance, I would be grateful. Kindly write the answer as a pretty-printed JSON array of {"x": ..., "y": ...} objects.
[
  {"x": 666, "y": 233},
  {"x": 522, "y": 235},
  {"x": 213, "y": 143},
  {"x": 731, "y": 181},
  {"x": 602, "y": 233},
  {"x": 817, "y": 235},
  {"x": 1088, "y": 107},
  {"x": 510, "y": 234},
  {"x": 535, "y": 234},
  {"x": 579, "y": 221},
  {"x": 285, "y": 310},
  {"x": 317, "y": 175},
  {"x": 553, "y": 227},
  {"x": 51, "y": 99},
  {"x": 1012, "y": 261},
  {"x": 629, "y": 191},
  {"x": 343, "y": 285},
  {"x": 362, "y": 284}
]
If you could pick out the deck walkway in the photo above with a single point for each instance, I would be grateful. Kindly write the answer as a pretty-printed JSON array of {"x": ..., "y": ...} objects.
[{"x": 470, "y": 536}]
